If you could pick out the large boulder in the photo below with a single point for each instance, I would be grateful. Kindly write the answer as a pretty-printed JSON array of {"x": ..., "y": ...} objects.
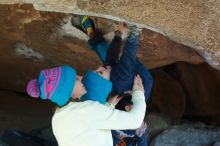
[
  {"x": 193, "y": 23},
  {"x": 186, "y": 90},
  {"x": 31, "y": 40},
  {"x": 201, "y": 87},
  {"x": 188, "y": 135},
  {"x": 167, "y": 96},
  {"x": 156, "y": 123}
]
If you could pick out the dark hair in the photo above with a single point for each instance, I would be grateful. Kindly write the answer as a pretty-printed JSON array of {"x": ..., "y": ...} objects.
[{"x": 125, "y": 101}]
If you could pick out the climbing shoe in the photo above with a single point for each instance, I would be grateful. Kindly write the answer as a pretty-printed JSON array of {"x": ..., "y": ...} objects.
[{"x": 87, "y": 24}]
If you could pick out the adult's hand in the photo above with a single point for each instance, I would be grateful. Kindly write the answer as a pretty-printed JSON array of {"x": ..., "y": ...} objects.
[
  {"x": 138, "y": 84},
  {"x": 140, "y": 131},
  {"x": 114, "y": 100}
]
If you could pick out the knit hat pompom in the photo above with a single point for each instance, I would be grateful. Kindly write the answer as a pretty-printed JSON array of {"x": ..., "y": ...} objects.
[{"x": 33, "y": 88}]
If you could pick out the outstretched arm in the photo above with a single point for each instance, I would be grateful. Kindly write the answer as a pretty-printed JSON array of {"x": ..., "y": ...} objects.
[
  {"x": 115, "y": 119},
  {"x": 114, "y": 48}
]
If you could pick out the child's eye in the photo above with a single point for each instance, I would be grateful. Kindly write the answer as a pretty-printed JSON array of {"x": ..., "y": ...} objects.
[{"x": 100, "y": 72}]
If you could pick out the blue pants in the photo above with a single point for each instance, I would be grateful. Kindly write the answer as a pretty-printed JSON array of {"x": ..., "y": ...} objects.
[{"x": 124, "y": 71}]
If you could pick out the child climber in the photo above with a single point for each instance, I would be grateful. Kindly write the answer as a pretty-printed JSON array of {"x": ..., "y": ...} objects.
[{"x": 120, "y": 71}]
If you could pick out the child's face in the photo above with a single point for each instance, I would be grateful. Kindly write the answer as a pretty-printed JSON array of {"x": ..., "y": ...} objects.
[
  {"x": 79, "y": 90},
  {"x": 104, "y": 71}
]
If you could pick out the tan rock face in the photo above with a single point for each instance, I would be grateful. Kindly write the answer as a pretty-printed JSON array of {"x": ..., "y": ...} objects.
[
  {"x": 31, "y": 40},
  {"x": 156, "y": 50},
  {"x": 193, "y": 23}
]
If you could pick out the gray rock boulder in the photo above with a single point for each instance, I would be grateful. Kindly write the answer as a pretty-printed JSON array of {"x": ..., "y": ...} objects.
[{"x": 188, "y": 135}]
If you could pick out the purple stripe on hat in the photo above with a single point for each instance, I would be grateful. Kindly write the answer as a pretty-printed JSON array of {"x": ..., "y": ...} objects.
[
  {"x": 52, "y": 79},
  {"x": 33, "y": 88}
]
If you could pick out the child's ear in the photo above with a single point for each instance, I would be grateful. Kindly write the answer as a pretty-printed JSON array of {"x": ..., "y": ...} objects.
[{"x": 127, "y": 108}]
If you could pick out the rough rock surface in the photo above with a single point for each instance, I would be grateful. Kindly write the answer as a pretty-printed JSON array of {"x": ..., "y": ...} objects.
[
  {"x": 193, "y": 23},
  {"x": 18, "y": 111},
  {"x": 31, "y": 40},
  {"x": 216, "y": 144},
  {"x": 201, "y": 87},
  {"x": 186, "y": 90},
  {"x": 187, "y": 135},
  {"x": 167, "y": 96},
  {"x": 156, "y": 123}
]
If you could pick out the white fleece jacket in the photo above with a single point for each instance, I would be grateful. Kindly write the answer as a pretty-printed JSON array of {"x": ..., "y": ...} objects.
[{"x": 90, "y": 123}]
